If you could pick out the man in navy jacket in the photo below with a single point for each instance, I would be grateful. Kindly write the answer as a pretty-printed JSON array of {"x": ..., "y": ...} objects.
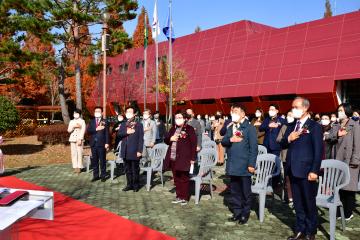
[
  {"x": 304, "y": 141},
  {"x": 241, "y": 143},
  {"x": 131, "y": 134},
  {"x": 271, "y": 126},
  {"x": 98, "y": 130}
]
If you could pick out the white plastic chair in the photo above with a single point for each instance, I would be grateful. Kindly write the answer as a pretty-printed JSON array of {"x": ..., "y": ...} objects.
[
  {"x": 157, "y": 156},
  {"x": 265, "y": 165},
  {"x": 2, "y": 165},
  {"x": 262, "y": 149},
  {"x": 87, "y": 162},
  {"x": 113, "y": 163},
  {"x": 208, "y": 159},
  {"x": 336, "y": 176},
  {"x": 209, "y": 144}
]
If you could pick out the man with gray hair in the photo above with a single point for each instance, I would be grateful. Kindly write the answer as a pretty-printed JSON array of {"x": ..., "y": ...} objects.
[
  {"x": 149, "y": 135},
  {"x": 304, "y": 141}
]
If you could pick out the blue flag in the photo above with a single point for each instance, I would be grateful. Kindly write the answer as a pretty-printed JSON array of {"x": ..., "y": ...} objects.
[{"x": 166, "y": 29}]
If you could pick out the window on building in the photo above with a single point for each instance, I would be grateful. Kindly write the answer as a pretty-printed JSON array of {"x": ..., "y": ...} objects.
[
  {"x": 138, "y": 65},
  {"x": 123, "y": 67},
  {"x": 142, "y": 63},
  {"x": 109, "y": 70}
]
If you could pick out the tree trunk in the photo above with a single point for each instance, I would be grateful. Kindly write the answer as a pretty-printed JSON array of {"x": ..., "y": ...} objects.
[
  {"x": 77, "y": 62},
  {"x": 64, "y": 108}
]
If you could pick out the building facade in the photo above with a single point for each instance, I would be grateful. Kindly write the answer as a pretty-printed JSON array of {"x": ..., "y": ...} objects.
[{"x": 250, "y": 63}]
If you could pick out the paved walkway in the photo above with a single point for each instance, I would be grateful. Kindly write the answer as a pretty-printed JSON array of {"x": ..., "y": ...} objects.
[{"x": 208, "y": 220}]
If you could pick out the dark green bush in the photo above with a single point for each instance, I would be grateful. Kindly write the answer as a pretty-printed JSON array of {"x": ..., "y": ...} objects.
[
  {"x": 53, "y": 134},
  {"x": 9, "y": 116}
]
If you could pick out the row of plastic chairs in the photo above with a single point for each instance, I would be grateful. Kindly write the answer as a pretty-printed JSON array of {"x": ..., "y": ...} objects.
[{"x": 336, "y": 175}]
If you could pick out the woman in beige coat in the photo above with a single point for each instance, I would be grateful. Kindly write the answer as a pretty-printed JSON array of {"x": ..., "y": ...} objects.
[
  {"x": 76, "y": 129},
  {"x": 346, "y": 136},
  {"x": 216, "y": 126}
]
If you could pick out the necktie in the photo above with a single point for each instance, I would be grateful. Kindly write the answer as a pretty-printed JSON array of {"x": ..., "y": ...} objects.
[
  {"x": 297, "y": 128},
  {"x": 97, "y": 122}
]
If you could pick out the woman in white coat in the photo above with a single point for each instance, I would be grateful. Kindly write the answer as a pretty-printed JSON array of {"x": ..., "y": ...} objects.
[{"x": 76, "y": 129}]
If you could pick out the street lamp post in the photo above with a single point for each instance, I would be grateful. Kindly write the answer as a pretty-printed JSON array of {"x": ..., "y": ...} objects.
[{"x": 104, "y": 48}]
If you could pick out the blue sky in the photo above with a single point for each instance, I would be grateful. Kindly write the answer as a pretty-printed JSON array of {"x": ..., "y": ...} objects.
[{"x": 187, "y": 14}]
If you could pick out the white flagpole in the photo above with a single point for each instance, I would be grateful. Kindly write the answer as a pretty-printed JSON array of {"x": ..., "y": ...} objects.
[
  {"x": 157, "y": 58},
  {"x": 170, "y": 64},
  {"x": 145, "y": 48}
]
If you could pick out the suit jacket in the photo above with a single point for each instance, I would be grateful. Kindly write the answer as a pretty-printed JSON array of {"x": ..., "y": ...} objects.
[
  {"x": 160, "y": 129},
  {"x": 149, "y": 135},
  {"x": 98, "y": 138},
  {"x": 131, "y": 144},
  {"x": 271, "y": 133},
  {"x": 241, "y": 155},
  {"x": 304, "y": 154},
  {"x": 76, "y": 133},
  {"x": 197, "y": 127},
  {"x": 347, "y": 149},
  {"x": 185, "y": 149},
  {"x": 224, "y": 128}
]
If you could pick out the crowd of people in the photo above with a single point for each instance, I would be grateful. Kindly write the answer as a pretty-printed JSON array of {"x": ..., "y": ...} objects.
[{"x": 300, "y": 138}]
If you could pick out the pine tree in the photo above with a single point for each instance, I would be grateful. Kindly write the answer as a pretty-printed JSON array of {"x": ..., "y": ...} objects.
[
  {"x": 328, "y": 11},
  {"x": 139, "y": 33}
]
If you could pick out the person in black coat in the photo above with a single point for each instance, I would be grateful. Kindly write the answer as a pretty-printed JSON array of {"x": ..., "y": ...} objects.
[
  {"x": 304, "y": 141},
  {"x": 131, "y": 134},
  {"x": 271, "y": 126},
  {"x": 98, "y": 129}
]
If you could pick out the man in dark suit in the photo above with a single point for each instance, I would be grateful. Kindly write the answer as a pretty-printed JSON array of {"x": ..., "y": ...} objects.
[
  {"x": 131, "y": 134},
  {"x": 98, "y": 130},
  {"x": 241, "y": 143},
  {"x": 304, "y": 141},
  {"x": 271, "y": 126}
]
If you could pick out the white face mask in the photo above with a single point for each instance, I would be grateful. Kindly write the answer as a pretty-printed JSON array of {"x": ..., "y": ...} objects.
[
  {"x": 206, "y": 117},
  {"x": 156, "y": 116},
  {"x": 325, "y": 122},
  {"x": 97, "y": 115},
  {"x": 341, "y": 115},
  {"x": 199, "y": 117},
  {"x": 290, "y": 119},
  {"x": 121, "y": 118},
  {"x": 129, "y": 115},
  {"x": 297, "y": 113},
  {"x": 272, "y": 113},
  {"x": 258, "y": 114},
  {"x": 76, "y": 115},
  {"x": 212, "y": 118},
  {"x": 146, "y": 116},
  {"x": 179, "y": 122},
  {"x": 235, "y": 117},
  {"x": 333, "y": 119}
]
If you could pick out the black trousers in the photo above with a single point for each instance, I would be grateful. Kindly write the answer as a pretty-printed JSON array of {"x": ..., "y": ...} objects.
[
  {"x": 240, "y": 189},
  {"x": 304, "y": 196},
  {"x": 132, "y": 171},
  {"x": 348, "y": 200},
  {"x": 98, "y": 157}
]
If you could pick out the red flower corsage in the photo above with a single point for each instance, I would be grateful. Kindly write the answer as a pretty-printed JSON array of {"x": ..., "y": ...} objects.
[
  {"x": 305, "y": 129},
  {"x": 183, "y": 134},
  {"x": 131, "y": 125},
  {"x": 238, "y": 133}
]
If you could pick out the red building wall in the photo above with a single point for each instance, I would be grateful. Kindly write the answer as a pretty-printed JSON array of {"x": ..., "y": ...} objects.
[{"x": 253, "y": 61}]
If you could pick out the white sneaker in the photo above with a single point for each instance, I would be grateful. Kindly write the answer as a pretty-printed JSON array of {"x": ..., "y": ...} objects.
[
  {"x": 349, "y": 218},
  {"x": 183, "y": 202},
  {"x": 177, "y": 200}
]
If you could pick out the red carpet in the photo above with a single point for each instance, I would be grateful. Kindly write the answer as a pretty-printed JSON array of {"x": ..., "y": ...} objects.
[{"x": 78, "y": 220}]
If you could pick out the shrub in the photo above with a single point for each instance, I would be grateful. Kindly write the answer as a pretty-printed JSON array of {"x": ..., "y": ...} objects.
[
  {"x": 53, "y": 134},
  {"x": 26, "y": 127},
  {"x": 9, "y": 116}
]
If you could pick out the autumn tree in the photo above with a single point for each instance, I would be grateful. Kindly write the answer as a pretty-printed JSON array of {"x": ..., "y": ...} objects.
[
  {"x": 197, "y": 29},
  {"x": 139, "y": 33},
  {"x": 328, "y": 12},
  {"x": 180, "y": 82}
]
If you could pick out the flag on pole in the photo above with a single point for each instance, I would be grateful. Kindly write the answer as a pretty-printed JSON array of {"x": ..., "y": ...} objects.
[
  {"x": 155, "y": 23},
  {"x": 145, "y": 32},
  {"x": 166, "y": 29}
]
